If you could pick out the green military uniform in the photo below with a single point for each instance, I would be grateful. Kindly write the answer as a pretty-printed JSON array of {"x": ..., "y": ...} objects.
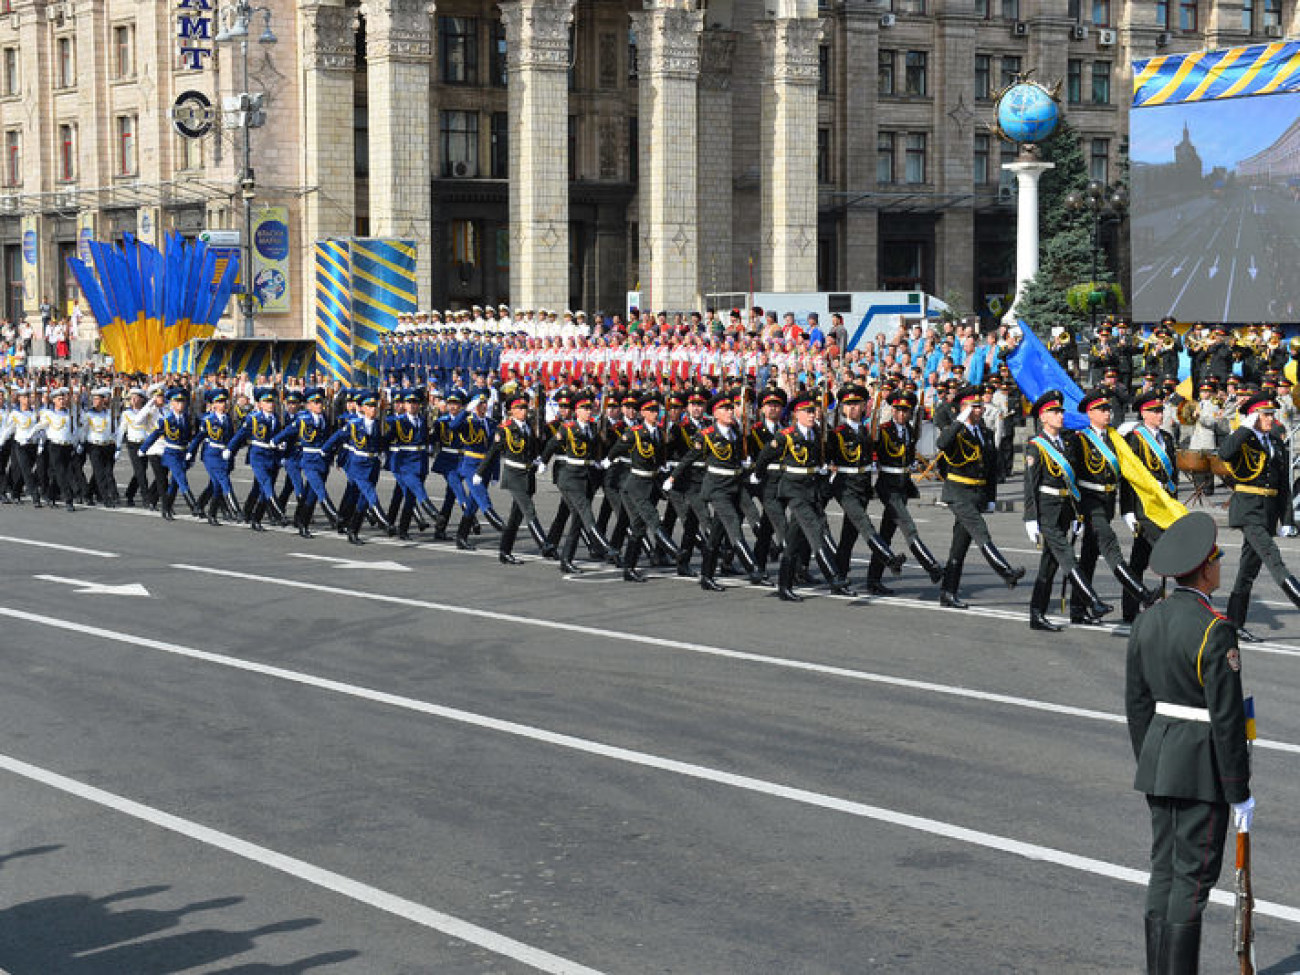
[
  {"x": 644, "y": 449},
  {"x": 1261, "y": 501},
  {"x": 1187, "y": 722},
  {"x": 517, "y": 446},
  {"x": 969, "y": 487},
  {"x": 766, "y": 486},
  {"x": 577, "y": 445}
]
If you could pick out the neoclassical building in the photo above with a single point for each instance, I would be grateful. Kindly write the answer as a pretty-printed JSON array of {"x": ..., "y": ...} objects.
[{"x": 559, "y": 153}]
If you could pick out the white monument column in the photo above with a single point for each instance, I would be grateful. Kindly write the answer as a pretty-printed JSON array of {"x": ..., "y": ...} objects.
[
  {"x": 1028, "y": 171},
  {"x": 537, "y": 59},
  {"x": 668, "y": 35}
]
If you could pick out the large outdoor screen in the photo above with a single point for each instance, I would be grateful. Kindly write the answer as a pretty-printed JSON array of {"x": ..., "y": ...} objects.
[{"x": 1215, "y": 219}]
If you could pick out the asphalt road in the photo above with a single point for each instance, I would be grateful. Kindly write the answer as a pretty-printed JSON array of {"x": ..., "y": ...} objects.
[
  {"x": 1214, "y": 261},
  {"x": 278, "y": 764}
]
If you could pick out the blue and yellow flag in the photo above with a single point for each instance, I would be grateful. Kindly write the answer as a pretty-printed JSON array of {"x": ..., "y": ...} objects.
[
  {"x": 1260, "y": 69},
  {"x": 1250, "y": 717}
]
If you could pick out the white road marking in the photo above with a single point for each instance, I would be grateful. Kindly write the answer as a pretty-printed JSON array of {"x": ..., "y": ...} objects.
[
  {"x": 83, "y": 588},
  {"x": 932, "y": 827},
  {"x": 1191, "y": 277},
  {"x": 318, "y": 876},
  {"x": 341, "y": 563},
  {"x": 60, "y": 548}
]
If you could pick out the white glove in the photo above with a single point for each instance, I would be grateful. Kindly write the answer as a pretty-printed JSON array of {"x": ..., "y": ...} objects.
[
  {"x": 747, "y": 462},
  {"x": 189, "y": 458},
  {"x": 1076, "y": 529},
  {"x": 1243, "y": 813},
  {"x": 1286, "y": 531},
  {"x": 604, "y": 464},
  {"x": 823, "y": 469},
  {"x": 40, "y": 448},
  {"x": 991, "y": 507},
  {"x": 1031, "y": 529},
  {"x": 117, "y": 455},
  {"x": 668, "y": 484},
  {"x": 1131, "y": 520},
  {"x": 1250, "y": 421},
  {"x": 964, "y": 415},
  {"x": 753, "y": 479},
  {"x": 282, "y": 446},
  {"x": 539, "y": 464},
  {"x": 225, "y": 455},
  {"x": 81, "y": 448},
  {"x": 476, "y": 480}
]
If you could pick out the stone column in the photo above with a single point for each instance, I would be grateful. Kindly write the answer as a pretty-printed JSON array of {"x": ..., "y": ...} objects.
[
  {"x": 328, "y": 67},
  {"x": 668, "y": 52},
  {"x": 789, "y": 153},
  {"x": 1027, "y": 172},
  {"x": 855, "y": 143},
  {"x": 537, "y": 53},
  {"x": 714, "y": 161},
  {"x": 398, "y": 56}
]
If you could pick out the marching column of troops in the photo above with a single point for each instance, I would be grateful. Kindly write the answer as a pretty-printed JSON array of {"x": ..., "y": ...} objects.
[{"x": 659, "y": 475}]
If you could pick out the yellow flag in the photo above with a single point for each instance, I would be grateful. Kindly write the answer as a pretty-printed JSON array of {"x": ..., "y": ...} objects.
[{"x": 1156, "y": 502}]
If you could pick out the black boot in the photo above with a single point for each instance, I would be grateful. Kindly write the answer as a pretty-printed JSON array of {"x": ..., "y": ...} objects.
[
  {"x": 631, "y": 555},
  {"x": 684, "y": 564},
  {"x": 255, "y": 517},
  {"x": 891, "y": 558},
  {"x": 1093, "y": 609},
  {"x": 250, "y": 505},
  {"x": 167, "y": 507},
  {"x": 785, "y": 582},
  {"x": 414, "y": 512},
  {"x": 1038, "y": 609},
  {"x": 462, "y": 534},
  {"x": 331, "y": 512},
  {"x": 664, "y": 541},
  {"x": 1291, "y": 586},
  {"x": 277, "y": 513},
  {"x": 404, "y": 523},
  {"x": 302, "y": 518},
  {"x": 506, "y": 552},
  {"x": 1155, "y": 931},
  {"x": 493, "y": 518},
  {"x": 1133, "y": 586},
  {"x": 948, "y": 592},
  {"x": 539, "y": 536},
  {"x": 1238, "y": 604},
  {"x": 354, "y": 528},
  {"x": 1183, "y": 948},
  {"x": 1001, "y": 566},
  {"x": 195, "y": 508},
  {"x": 826, "y": 563},
  {"x": 708, "y": 565},
  {"x": 926, "y": 560},
  {"x": 757, "y": 577},
  {"x": 567, "y": 565},
  {"x": 213, "y": 507}
]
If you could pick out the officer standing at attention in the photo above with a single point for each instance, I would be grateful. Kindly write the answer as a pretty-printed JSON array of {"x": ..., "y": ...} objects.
[
  {"x": 1187, "y": 722},
  {"x": 969, "y": 487},
  {"x": 1260, "y": 505}
]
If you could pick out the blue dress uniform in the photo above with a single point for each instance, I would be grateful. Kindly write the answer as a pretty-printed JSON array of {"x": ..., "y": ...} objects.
[
  {"x": 258, "y": 430},
  {"x": 304, "y": 436},
  {"x": 360, "y": 442},
  {"x": 447, "y": 460},
  {"x": 175, "y": 429},
  {"x": 408, "y": 460},
  {"x": 474, "y": 434},
  {"x": 292, "y": 458},
  {"x": 214, "y": 436}
]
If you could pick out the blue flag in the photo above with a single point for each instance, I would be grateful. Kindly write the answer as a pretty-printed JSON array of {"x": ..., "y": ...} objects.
[{"x": 1036, "y": 372}]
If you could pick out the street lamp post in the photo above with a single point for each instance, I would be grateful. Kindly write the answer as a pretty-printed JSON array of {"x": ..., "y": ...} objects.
[
  {"x": 235, "y": 18},
  {"x": 1103, "y": 203}
]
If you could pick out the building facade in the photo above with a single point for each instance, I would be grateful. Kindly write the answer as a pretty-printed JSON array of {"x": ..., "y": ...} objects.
[{"x": 559, "y": 153}]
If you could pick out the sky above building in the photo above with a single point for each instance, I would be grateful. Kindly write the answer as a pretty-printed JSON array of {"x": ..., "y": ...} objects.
[{"x": 1223, "y": 132}]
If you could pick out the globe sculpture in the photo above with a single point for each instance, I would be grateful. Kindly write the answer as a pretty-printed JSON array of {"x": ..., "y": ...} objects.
[{"x": 1027, "y": 113}]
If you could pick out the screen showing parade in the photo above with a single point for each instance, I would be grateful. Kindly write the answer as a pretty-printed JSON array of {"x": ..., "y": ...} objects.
[{"x": 1215, "y": 149}]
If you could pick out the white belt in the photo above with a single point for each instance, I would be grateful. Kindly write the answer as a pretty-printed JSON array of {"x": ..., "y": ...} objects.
[
  {"x": 1094, "y": 486},
  {"x": 362, "y": 453},
  {"x": 853, "y": 470},
  {"x": 1052, "y": 492},
  {"x": 312, "y": 450},
  {"x": 799, "y": 470},
  {"x": 175, "y": 446},
  {"x": 722, "y": 471},
  {"x": 576, "y": 462},
  {"x": 893, "y": 470},
  {"x": 639, "y": 472},
  {"x": 518, "y": 465},
  {"x": 99, "y": 443},
  {"x": 263, "y": 444},
  {"x": 450, "y": 450},
  {"x": 415, "y": 449},
  {"x": 1182, "y": 711}
]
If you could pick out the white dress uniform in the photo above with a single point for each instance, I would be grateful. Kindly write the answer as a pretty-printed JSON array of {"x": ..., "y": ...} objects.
[
  {"x": 100, "y": 438},
  {"x": 62, "y": 436},
  {"x": 21, "y": 427}
]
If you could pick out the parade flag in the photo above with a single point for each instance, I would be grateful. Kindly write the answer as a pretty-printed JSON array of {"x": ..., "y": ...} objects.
[
  {"x": 334, "y": 309},
  {"x": 1035, "y": 372},
  {"x": 362, "y": 285},
  {"x": 1260, "y": 69}
]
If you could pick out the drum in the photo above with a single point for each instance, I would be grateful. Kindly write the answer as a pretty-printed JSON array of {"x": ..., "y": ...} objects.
[
  {"x": 1218, "y": 467},
  {"x": 1194, "y": 461}
]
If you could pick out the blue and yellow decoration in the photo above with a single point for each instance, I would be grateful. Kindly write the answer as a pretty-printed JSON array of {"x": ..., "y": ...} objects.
[
  {"x": 362, "y": 285},
  {"x": 148, "y": 302},
  {"x": 256, "y": 357},
  {"x": 1260, "y": 69}
]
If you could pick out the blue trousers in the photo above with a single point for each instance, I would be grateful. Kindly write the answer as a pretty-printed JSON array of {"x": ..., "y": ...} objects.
[
  {"x": 174, "y": 461},
  {"x": 218, "y": 469}
]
